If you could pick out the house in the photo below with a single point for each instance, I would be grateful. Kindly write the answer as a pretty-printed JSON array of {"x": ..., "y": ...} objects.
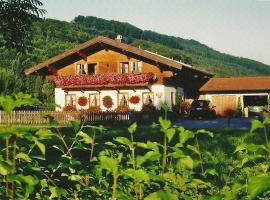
[
  {"x": 228, "y": 94},
  {"x": 106, "y": 74}
]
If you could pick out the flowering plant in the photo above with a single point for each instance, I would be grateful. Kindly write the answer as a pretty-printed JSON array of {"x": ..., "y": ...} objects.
[
  {"x": 82, "y": 101},
  {"x": 148, "y": 108},
  {"x": 94, "y": 109},
  {"x": 69, "y": 108},
  {"x": 122, "y": 108},
  {"x": 102, "y": 79},
  {"x": 107, "y": 102},
  {"x": 134, "y": 99}
]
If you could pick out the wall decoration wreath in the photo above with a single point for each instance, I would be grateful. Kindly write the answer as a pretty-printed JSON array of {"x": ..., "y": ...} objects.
[
  {"x": 82, "y": 101},
  {"x": 107, "y": 102}
]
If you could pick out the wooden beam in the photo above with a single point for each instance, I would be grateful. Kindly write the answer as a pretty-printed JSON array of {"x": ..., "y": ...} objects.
[{"x": 82, "y": 55}]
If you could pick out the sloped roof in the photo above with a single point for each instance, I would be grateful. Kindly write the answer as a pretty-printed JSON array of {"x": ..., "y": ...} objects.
[
  {"x": 125, "y": 47},
  {"x": 258, "y": 83}
]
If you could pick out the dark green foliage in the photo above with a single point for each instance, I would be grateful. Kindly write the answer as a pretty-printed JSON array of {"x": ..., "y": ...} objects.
[{"x": 16, "y": 18}]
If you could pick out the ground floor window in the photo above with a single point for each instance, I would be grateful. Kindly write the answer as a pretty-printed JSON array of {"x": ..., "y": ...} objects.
[
  {"x": 123, "y": 99},
  {"x": 94, "y": 100},
  {"x": 70, "y": 100},
  {"x": 148, "y": 98}
]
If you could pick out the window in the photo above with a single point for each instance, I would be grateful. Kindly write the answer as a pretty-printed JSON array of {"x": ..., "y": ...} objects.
[
  {"x": 70, "y": 100},
  {"x": 148, "y": 98},
  {"x": 136, "y": 67},
  {"x": 88, "y": 68},
  {"x": 124, "y": 67},
  {"x": 94, "y": 100},
  {"x": 123, "y": 99},
  {"x": 91, "y": 68}
]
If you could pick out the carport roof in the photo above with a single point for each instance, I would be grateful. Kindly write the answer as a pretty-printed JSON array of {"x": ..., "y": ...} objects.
[{"x": 237, "y": 84}]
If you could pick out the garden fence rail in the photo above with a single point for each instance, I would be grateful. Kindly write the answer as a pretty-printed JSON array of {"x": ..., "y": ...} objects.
[{"x": 63, "y": 118}]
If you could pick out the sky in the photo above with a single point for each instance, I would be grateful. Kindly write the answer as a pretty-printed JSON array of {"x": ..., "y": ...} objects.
[{"x": 237, "y": 27}]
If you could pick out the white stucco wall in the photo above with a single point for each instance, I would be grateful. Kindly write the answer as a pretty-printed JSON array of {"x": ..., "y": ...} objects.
[{"x": 161, "y": 93}]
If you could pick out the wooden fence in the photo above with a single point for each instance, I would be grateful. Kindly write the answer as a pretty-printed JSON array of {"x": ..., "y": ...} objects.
[{"x": 44, "y": 117}]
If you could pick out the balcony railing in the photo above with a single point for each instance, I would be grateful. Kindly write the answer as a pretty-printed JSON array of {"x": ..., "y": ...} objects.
[{"x": 103, "y": 80}]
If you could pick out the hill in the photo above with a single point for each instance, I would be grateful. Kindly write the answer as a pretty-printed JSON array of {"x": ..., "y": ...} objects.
[{"x": 51, "y": 37}]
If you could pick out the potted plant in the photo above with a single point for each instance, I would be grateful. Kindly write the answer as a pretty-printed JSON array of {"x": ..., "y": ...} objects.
[
  {"x": 69, "y": 108},
  {"x": 94, "y": 109}
]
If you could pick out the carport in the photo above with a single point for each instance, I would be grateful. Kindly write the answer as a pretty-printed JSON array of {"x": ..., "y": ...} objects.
[{"x": 230, "y": 94}]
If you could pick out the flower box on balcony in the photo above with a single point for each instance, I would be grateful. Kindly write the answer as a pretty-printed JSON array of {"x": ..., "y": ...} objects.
[{"x": 102, "y": 79}]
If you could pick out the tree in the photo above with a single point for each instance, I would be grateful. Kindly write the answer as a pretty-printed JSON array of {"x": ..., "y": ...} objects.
[{"x": 16, "y": 18}]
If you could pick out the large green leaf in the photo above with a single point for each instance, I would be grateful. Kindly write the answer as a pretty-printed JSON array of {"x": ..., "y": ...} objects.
[
  {"x": 256, "y": 124},
  {"x": 132, "y": 128},
  {"x": 44, "y": 134},
  {"x": 28, "y": 182},
  {"x": 250, "y": 147},
  {"x": 86, "y": 138},
  {"x": 109, "y": 164},
  {"x": 123, "y": 140},
  {"x": 57, "y": 192},
  {"x": 185, "y": 135},
  {"x": 23, "y": 156},
  {"x": 185, "y": 162},
  {"x": 40, "y": 145},
  {"x": 202, "y": 131},
  {"x": 165, "y": 124},
  {"x": 5, "y": 168},
  {"x": 193, "y": 148},
  {"x": 266, "y": 121},
  {"x": 170, "y": 133},
  {"x": 258, "y": 185},
  {"x": 139, "y": 175}
]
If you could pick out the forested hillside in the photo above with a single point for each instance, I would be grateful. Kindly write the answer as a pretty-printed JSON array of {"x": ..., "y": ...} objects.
[{"x": 51, "y": 37}]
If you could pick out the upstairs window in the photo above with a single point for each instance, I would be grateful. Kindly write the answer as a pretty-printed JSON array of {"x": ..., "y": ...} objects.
[
  {"x": 88, "y": 68},
  {"x": 136, "y": 67},
  {"x": 91, "y": 68},
  {"x": 124, "y": 66}
]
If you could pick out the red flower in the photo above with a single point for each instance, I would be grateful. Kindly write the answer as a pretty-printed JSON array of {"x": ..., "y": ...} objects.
[
  {"x": 94, "y": 109},
  {"x": 134, "y": 99},
  {"x": 82, "y": 101},
  {"x": 69, "y": 108},
  {"x": 102, "y": 79},
  {"x": 148, "y": 108},
  {"x": 107, "y": 102}
]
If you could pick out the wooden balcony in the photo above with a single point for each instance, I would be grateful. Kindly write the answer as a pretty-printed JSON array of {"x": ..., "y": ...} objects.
[{"x": 104, "y": 81}]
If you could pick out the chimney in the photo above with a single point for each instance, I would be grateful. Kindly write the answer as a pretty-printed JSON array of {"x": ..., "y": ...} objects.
[{"x": 119, "y": 38}]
